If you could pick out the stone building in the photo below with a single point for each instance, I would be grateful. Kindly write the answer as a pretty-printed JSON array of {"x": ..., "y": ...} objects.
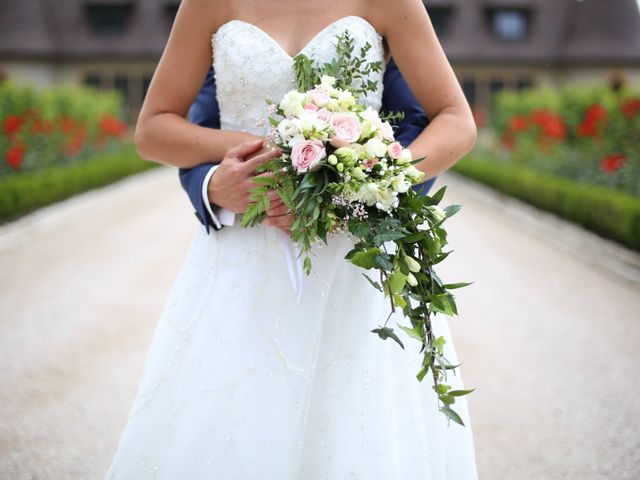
[{"x": 492, "y": 44}]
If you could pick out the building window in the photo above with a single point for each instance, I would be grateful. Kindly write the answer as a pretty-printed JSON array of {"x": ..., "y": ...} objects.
[
  {"x": 93, "y": 80},
  {"x": 441, "y": 19},
  {"x": 109, "y": 17},
  {"x": 121, "y": 85},
  {"x": 495, "y": 85},
  {"x": 510, "y": 25},
  {"x": 523, "y": 83}
]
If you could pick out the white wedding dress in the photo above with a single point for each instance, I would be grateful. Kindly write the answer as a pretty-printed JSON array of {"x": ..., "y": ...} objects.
[{"x": 256, "y": 373}]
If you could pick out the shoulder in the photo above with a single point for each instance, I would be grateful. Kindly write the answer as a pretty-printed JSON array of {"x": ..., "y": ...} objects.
[
  {"x": 389, "y": 16},
  {"x": 212, "y": 12}
]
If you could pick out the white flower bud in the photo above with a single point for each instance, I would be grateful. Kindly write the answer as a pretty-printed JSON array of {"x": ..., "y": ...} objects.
[{"x": 412, "y": 264}]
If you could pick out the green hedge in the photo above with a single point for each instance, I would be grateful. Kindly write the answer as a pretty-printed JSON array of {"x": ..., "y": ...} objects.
[
  {"x": 22, "y": 192},
  {"x": 605, "y": 211}
]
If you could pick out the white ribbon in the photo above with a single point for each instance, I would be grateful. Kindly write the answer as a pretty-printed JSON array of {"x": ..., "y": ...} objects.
[{"x": 295, "y": 272}]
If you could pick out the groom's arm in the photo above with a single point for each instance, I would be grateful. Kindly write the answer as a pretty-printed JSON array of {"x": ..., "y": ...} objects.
[
  {"x": 205, "y": 112},
  {"x": 397, "y": 97}
]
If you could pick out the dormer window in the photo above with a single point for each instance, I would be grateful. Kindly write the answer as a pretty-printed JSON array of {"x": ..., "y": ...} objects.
[
  {"x": 509, "y": 24},
  {"x": 441, "y": 19},
  {"x": 109, "y": 16}
]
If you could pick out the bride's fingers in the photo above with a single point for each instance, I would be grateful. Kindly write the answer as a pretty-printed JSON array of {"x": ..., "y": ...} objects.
[
  {"x": 250, "y": 165},
  {"x": 277, "y": 210},
  {"x": 281, "y": 221}
]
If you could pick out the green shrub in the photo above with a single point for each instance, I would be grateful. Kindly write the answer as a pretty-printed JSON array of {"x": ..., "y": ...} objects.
[
  {"x": 26, "y": 191},
  {"x": 608, "y": 212}
]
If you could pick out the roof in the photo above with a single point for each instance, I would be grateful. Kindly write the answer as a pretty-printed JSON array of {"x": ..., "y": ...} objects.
[
  {"x": 61, "y": 30},
  {"x": 563, "y": 32}
]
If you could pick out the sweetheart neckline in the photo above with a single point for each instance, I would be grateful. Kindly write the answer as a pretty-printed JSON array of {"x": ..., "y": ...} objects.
[{"x": 309, "y": 43}]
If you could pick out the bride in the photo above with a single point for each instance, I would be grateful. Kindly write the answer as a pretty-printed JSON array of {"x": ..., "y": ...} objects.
[{"x": 249, "y": 375}]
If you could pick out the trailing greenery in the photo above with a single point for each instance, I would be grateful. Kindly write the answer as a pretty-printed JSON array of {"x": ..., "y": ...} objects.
[
  {"x": 608, "y": 212},
  {"x": 23, "y": 192},
  {"x": 340, "y": 170}
]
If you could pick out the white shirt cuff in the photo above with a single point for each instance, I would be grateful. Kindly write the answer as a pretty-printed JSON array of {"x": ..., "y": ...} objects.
[{"x": 219, "y": 216}]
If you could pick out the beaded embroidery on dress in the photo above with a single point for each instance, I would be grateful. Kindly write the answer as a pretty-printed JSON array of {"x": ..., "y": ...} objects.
[{"x": 243, "y": 382}]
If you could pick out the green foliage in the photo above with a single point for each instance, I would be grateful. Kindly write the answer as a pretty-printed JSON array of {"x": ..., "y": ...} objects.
[
  {"x": 25, "y": 191},
  {"x": 606, "y": 211},
  {"x": 350, "y": 71}
]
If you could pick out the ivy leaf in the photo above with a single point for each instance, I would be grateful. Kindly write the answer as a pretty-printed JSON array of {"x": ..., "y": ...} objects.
[
  {"x": 383, "y": 261},
  {"x": 414, "y": 237},
  {"x": 443, "y": 303},
  {"x": 386, "y": 332},
  {"x": 359, "y": 229},
  {"x": 415, "y": 332},
  {"x": 399, "y": 301},
  {"x": 397, "y": 281},
  {"x": 365, "y": 259}
]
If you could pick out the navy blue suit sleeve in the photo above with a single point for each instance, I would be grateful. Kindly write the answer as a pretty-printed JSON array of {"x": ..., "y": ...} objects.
[
  {"x": 397, "y": 97},
  {"x": 205, "y": 112}
]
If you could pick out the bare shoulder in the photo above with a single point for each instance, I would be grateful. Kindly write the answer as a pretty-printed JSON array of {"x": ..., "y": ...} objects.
[
  {"x": 204, "y": 12},
  {"x": 388, "y": 16}
]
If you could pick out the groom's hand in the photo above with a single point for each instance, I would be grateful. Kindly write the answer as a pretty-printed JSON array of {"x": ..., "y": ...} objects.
[{"x": 229, "y": 186}]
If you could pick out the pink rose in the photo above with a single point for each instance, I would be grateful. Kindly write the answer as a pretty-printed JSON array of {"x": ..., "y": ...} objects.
[
  {"x": 318, "y": 97},
  {"x": 307, "y": 154},
  {"x": 395, "y": 150},
  {"x": 311, "y": 107},
  {"x": 346, "y": 129}
]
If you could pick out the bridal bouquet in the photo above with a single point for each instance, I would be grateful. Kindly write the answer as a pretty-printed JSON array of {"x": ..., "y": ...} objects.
[{"x": 341, "y": 169}]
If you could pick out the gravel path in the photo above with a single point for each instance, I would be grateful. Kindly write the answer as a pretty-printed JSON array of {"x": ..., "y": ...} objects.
[{"x": 549, "y": 333}]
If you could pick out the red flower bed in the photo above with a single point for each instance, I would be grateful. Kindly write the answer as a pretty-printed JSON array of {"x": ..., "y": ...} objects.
[
  {"x": 588, "y": 133},
  {"x": 41, "y": 128}
]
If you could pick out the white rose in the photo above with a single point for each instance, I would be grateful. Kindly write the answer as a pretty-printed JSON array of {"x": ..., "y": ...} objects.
[
  {"x": 405, "y": 157},
  {"x": 368, "y": 194},
  {"x": 413, "y": 174},
  {"x": 327, "y": 80},
  {"x": 376, "y": 148},
  {"x": 292, "y": 103},
  {"x": 400, "y": 184},
  {"x": 289, "y": 131},
  {"x": 309, "y": 122},
  {"x": 387, "y": 200},
  {"x": 438, "y": 214}
]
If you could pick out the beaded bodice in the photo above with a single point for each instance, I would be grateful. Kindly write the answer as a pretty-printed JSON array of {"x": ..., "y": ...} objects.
[{"x": 252, "y": 67}]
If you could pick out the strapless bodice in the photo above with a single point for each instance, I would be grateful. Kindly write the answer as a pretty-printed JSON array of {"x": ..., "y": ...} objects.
[{"x": 252, "y": 67}]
